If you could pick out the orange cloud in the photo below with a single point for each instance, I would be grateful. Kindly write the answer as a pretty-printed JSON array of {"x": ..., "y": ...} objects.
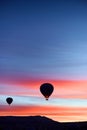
[
  {"x": 62, "y": 88},
  {"x": 56, "y": 113}
]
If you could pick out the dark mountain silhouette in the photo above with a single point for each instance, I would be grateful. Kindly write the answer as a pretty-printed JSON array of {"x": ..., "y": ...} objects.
[{"x": 37, "y": 123}]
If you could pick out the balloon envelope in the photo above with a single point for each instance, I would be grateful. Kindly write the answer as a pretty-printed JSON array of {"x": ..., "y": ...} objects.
[
  {"x": 46, "y": 89},
  {"x": 9, "y": 100}
]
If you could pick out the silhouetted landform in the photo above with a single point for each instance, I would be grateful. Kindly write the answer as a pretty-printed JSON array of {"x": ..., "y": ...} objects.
[{"x": 37, "y": 123}]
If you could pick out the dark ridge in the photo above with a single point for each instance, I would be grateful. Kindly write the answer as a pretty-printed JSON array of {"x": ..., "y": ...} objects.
[{"x": 37, "y": 123}]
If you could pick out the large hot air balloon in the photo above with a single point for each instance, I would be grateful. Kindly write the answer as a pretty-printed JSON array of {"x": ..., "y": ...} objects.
[
  {"x": 46, "y": 89},
  {"x": 9, "y": 100}
]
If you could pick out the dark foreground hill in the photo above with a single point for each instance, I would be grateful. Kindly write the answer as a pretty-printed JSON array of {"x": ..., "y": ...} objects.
[{"x": 37, "y": 123}]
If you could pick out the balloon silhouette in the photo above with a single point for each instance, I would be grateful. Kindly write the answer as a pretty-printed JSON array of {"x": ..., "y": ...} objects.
[
  {"x": 46, "y": 89},
  {"x": 9, "y": 100}
]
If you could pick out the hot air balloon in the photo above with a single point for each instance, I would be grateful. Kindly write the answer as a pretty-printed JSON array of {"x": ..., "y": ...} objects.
[
  {"x": 46, "y": 89},
  {"x": 9, "y": 100}
]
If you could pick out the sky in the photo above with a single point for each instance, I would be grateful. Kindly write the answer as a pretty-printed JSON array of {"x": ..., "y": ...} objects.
[{"x": 44, "y": 41}]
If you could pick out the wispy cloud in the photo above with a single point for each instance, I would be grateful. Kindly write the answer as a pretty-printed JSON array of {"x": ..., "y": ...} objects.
[
  {"x": 57, "y": 113},
  {"x": 69, "y": 89}
]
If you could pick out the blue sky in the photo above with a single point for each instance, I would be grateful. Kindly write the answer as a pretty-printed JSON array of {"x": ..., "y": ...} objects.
[{"x": 43, "y": 38}]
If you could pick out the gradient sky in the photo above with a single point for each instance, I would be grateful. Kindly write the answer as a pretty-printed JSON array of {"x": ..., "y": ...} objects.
[{"x": 44, "y": 41}]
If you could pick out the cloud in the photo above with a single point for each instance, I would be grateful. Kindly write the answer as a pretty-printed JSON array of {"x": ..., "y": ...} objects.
[
  {"x": 56, "y": 113},
  {"x": 69, "y": 89}
]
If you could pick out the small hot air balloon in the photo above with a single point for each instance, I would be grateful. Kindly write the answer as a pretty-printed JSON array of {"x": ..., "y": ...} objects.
[
  {"x": 46, "y": 89},
  {"x": 9, "y": 100}
]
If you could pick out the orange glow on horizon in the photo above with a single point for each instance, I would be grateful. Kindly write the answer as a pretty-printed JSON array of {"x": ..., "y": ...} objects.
[{"x": 56, "y": 113}]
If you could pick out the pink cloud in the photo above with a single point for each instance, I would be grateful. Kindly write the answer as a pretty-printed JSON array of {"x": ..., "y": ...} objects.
[
  {"x": 56, "y": 113},
  {"x": 62, "y": 88}
]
